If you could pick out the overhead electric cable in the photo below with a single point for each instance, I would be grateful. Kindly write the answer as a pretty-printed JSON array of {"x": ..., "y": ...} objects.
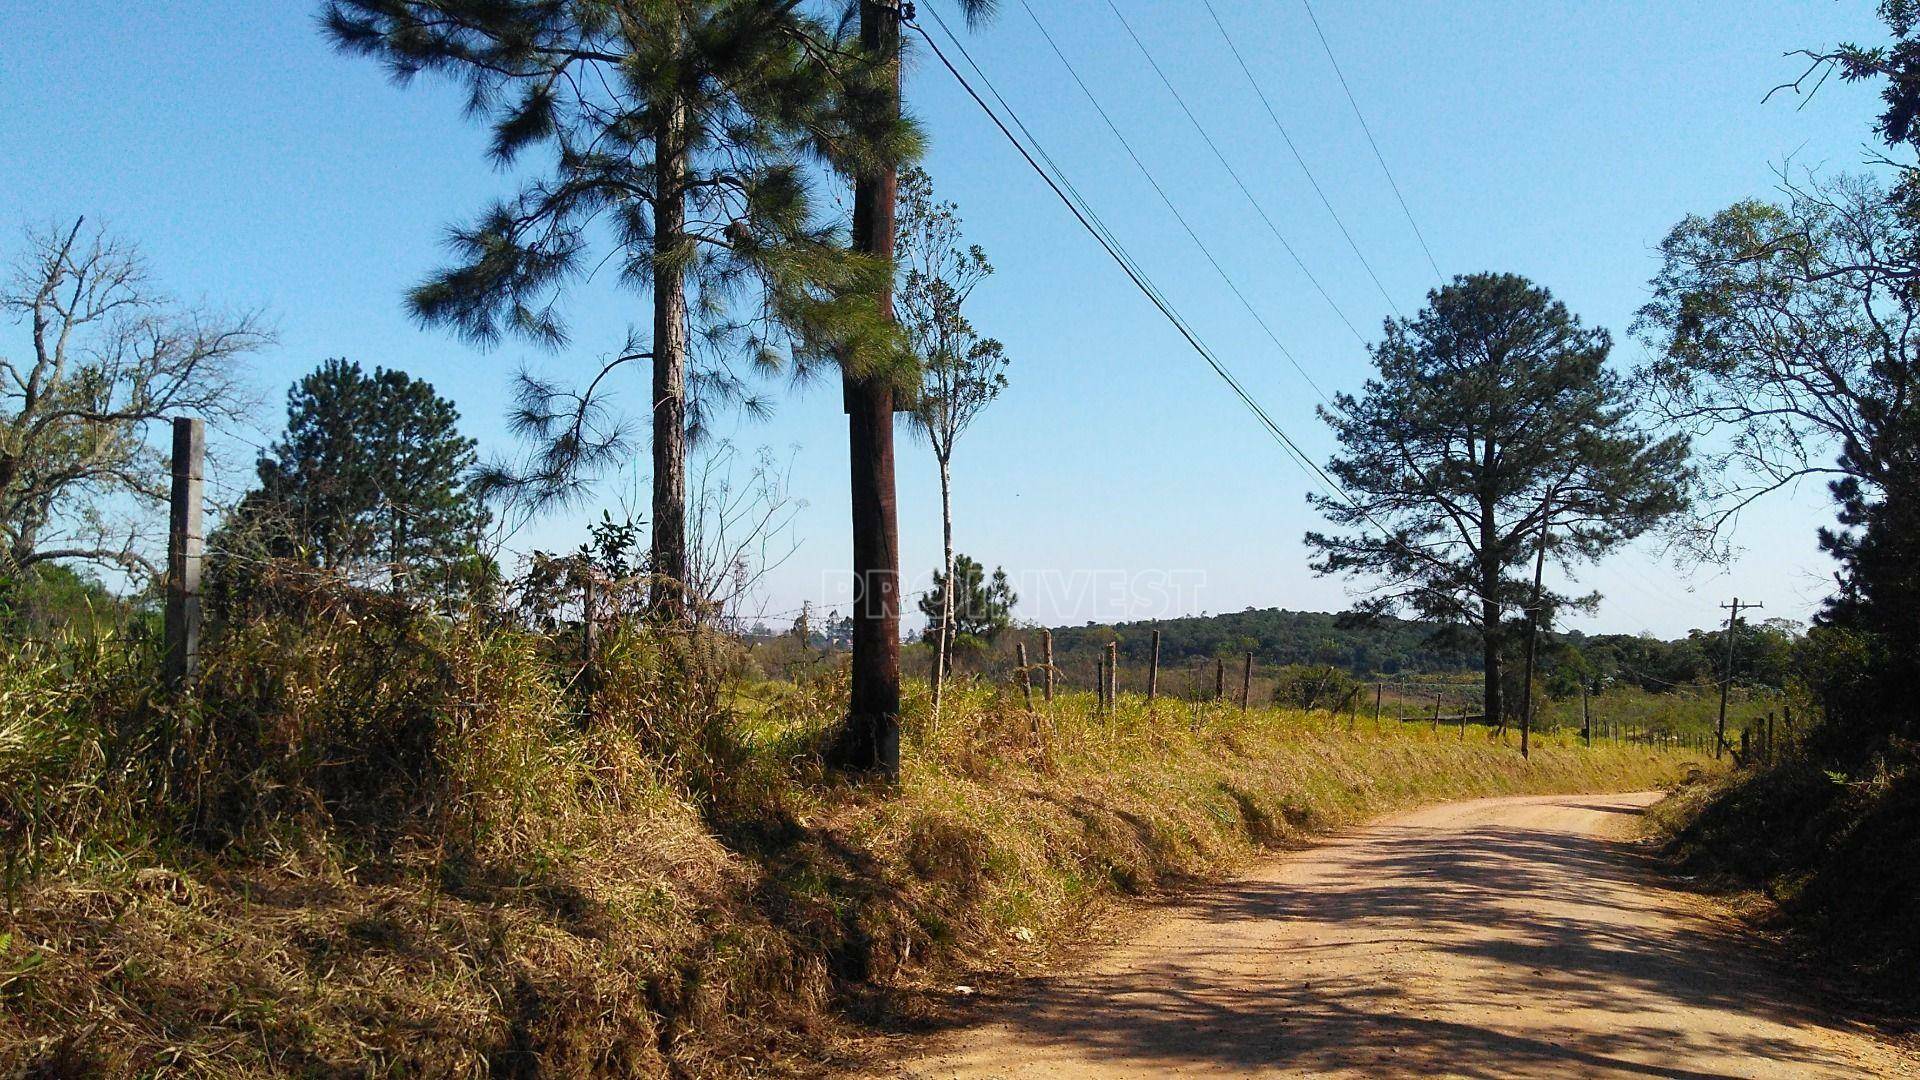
[
  {"x": 1253, "y": 200},
  {"x": 1115, "y": 251},
  {"x": 1297, "y": 156},
  {"x": 1377, "y": 155},
  {"x": 1165, "y": 198},
  {"x": 1089, "y": 220}
]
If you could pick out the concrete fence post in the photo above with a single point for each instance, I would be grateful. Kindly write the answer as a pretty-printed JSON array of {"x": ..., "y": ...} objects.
[{"x": 185, "y": 548}]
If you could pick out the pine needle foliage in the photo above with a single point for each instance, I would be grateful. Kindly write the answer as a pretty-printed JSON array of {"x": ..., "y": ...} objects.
[
  {"x": 678, "y": 142},
  {"x": 1493, "y": 426}
]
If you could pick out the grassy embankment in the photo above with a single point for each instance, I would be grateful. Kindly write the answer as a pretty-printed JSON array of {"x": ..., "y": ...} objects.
[
  {"x": 375, "y": 847},
  {"x": 1830, "y": 860}
]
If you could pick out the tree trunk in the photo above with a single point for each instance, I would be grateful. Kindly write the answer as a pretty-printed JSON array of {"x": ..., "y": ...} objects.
[
  {"x": 870, "y": 741},
  {"x": 669, "y": 547},
  {"x": 397, "y": 541},
  {"x": 943, "y": 641}
]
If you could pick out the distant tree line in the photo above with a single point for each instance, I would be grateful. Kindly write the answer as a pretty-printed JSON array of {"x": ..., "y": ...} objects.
[
  {"x": 1277, "y": 636},
  {"x": 1765, "y": 655}
]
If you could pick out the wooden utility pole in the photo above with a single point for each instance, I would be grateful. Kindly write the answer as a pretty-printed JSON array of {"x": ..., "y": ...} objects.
[
  {"x": 1046, "y": 657},
  {"x": 1153, "y": 668},
  {"x": 870, "y": 742},
  {"x": 1726, "y": 676},
  {"x": 1246, "y": 683},
  {"x": 184, "y": 550},
  {"x": 1533, "y": 640},
  {"x": 1586, "y": 717}
]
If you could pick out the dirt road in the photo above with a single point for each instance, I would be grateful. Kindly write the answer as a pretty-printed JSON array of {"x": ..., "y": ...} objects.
[{"x": 1499, "y": 938}]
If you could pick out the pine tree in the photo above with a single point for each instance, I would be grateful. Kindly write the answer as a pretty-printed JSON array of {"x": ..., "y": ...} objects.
[
  {"x": 678, "y": 131},
  {"x": 1493, "y": 425},
  {"x": 372, "y": 477},
  {"x": 981, "y": 606}
]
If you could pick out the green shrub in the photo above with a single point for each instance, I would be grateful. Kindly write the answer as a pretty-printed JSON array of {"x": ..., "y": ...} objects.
[{"x": 1313, "y": 686}]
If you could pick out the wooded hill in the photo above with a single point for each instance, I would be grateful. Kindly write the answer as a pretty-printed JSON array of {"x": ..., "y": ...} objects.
[{"x": 1278, "y": 636}]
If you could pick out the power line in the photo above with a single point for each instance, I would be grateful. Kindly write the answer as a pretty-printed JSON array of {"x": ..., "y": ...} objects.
[
  {"x": 1377, "y": 155},
  {"x": 1110, "y": 244},
  {"x": 1090, "y": 221},
  {"x": 1234, "y": 173},
  {"x": 1297, "y": 156},
  {"x": 1165, "y": 198}
]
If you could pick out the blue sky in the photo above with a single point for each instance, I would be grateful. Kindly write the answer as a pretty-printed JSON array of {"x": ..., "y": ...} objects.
[{"x": 257, "y": 168}]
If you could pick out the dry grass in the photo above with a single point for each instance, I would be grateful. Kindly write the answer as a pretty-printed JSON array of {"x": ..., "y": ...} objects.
[{"x": 670, "y": 887}]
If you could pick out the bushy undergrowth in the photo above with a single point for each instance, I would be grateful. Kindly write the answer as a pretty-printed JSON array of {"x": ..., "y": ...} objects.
[
  {"x": 374, "y": 843},
  {"x": 1835, "y": 856}
]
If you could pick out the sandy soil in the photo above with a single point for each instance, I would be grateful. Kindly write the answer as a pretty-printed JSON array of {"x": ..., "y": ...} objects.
[{"x": 1498, "y": 938}]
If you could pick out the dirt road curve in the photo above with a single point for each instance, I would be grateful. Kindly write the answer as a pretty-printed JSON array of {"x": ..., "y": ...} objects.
[{"x": 1499, "y": 938}]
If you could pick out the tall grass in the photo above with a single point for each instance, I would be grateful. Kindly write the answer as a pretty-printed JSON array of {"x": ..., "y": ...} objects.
[{"x": 372, "y": 842}]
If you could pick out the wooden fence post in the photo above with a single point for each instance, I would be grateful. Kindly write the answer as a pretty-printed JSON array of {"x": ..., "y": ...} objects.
[
  {"x": 184, "y": 549},
  {"x": 1046, "y": 657},
  {"x": 1219, "y": 678},
  {"x": 1100, "y": 683},
  {"x": 589, "y": 643},
  {"x": 1586, "y": 717},
  {"x": 1113, "y": 675},
  {"x": 1026, "y": 677},
  {"x": 1436, "y": 712},
  {"x": 1246, "y": 683},
  {"x": 1378, "y": 689},
  {"x": 1153, "y": 669}
]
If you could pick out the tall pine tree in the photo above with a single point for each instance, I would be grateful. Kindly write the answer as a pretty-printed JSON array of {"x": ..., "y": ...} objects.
[
  {"x": 675, "y": 134},
  {"x": 1492, "y": 426}
]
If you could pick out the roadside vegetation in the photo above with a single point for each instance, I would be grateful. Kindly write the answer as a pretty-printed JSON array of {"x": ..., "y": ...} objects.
[
  {"x": 382, "y": 841},
  {"x": 1828, "y": 857},
  {"x": 1786, "y": 325},
  {"x": 412, "y": 811}
]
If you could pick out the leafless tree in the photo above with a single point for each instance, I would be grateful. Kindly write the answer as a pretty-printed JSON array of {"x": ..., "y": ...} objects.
[
  {"x": 961, "y": 371},
  {"x": 1791, "y": 331},
  {"x": 108, "y": 356},
  {"x": 742, "y": 529}
]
